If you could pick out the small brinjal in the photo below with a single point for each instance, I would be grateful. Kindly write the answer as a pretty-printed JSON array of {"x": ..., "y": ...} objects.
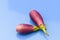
[
  {"x": 37, "y": 18},
  {"x": 26, "y": 28}
]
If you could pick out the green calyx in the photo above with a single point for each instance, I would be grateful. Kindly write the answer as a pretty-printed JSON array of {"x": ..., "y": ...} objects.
[
  {"x": 43, "y": 28},
  {"x": 36, "y": 28}
]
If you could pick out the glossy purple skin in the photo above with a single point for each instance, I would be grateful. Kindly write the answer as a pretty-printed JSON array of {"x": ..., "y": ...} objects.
[
  {"x": 24, "y": 28},
  {"x": 36, "y": 17}
]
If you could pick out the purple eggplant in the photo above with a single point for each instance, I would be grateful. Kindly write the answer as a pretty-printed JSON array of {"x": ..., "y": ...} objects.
[
  {"x": 26, "y": 28},
  {"x": 38, "y": 20}
]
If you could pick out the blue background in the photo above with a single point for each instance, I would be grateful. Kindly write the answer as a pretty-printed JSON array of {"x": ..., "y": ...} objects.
[{"x": 13, "y": 12}]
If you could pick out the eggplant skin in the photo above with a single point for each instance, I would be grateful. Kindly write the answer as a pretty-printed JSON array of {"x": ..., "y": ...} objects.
[
  {"x": 36, "y": 17},
  {"x": 24, "y": 28}
]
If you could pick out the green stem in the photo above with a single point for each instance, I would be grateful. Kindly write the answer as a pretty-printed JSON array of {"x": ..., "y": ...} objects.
[{"x": 43, "y": 28}]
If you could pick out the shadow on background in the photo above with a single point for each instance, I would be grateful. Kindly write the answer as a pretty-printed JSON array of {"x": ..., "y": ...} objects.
[
  {"x": 44, "y": 35},
  {"x": 25, "y": 36}
]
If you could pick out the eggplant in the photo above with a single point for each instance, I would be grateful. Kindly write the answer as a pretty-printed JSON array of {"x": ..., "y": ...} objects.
[
  {"x": 26, "y": 28},
  {"x": 38, "y": 20}
]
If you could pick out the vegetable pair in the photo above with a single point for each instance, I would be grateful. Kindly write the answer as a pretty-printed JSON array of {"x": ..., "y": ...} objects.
[{"x": 27, "y": 28}]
